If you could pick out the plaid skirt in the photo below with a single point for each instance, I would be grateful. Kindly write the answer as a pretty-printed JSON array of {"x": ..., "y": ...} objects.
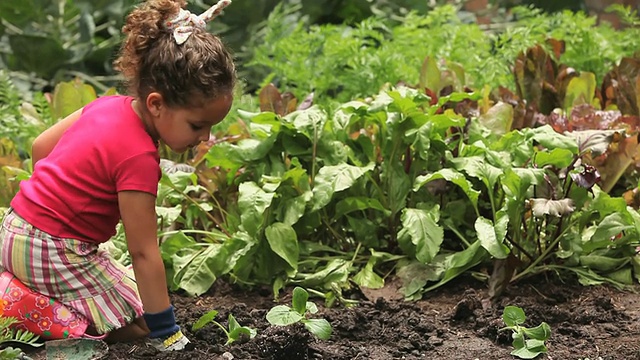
[{"x": 74, "y": 272}]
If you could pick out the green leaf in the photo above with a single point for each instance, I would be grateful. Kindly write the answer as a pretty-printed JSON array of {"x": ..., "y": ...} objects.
[
  {"x": 196, "y": 272},
  {"x": 224, "y": 155},
  {"x": 168, "y": 215},
  {"x": 299, "y": 302},
  {"x": 581, "y": 90},
  {"x": 531, "y": 349},
  {"x": 536, "y": 345},
  {"x": 513, "y": 316},
  {"x": 253, "y": 203},
  {"x": 525, "y": 353},
  {"x": 621, "y": 276},
  {"x": 478, "y": 167},
  {"x": 233, "y": 323},
  {"x": 204, "y": 320},
  {"x": 71, "y": 96},
  {"x": 175, "y": 243},
  {"x": 398, "y": 183},
  {"x": 198, "y": 276},
  {"x": 487, "y": 237},
  {"x": 10, "y": 353},
  {"x": 309, "y": 122},
  {"x": 518, "y": 339},
  {"x": 359, "y": 203},
  {"x": 430, "y": 75},
  {"x": 284, "y": 242},
  {"x": 294, "y": 208},
  {"x": 318, "y": 327},
  {"x": 611, "y": 226},
  {"x": 451, "y": 176},
  {"x": 498, "y": 118},
  {"x": 541, "y": 332},
  {"x": 421, "y": 228},
  {"x": 560, "y": 158},
  {"x": 367, "y": 277},
  {"x": 332, "y": 179},
  {"x": 422, "y": 140},
  {"x": 635, "y": 215},
  {"x": 254, "y": 150},
  {"x": 266, "y": 118},
  {"x": 42, "y": 55},
  {"x": 336, "y": 270},
  {"x": 239, "y": 331},
  {"x": 551, "y": 139},
  {"x": 282, "y": 315},
  {"x": 311, "y": 307},
  {"x": 459, "y": 262},
  {"x": 16, "y": 174},
  {"x": 602, "y": 263}
]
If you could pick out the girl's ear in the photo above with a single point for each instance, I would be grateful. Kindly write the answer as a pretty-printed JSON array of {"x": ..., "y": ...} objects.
[{"x": 155, "y": 103}]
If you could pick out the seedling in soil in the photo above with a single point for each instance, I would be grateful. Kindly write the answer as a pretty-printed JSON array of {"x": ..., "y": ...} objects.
[
  {"x": 283, "y": 315},
  {"x": 234, "y": 332},
  {"x": 10, "y": 353},
  {"x": 527, "y": 342}
]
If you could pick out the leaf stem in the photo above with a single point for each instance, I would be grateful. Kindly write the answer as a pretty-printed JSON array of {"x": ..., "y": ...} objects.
[
  {"x": 211, "y": 217},
  {"x": 543, "y": 255}
]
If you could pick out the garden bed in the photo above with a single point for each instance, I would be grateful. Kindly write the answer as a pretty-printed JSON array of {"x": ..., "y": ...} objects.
[{"x": 450, "y": 323}]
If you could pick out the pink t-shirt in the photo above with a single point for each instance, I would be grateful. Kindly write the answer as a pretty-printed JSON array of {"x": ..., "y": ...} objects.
[{"x": 73, "y": 192}]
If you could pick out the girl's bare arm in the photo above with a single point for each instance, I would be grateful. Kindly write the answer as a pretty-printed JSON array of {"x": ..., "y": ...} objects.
[{"x": 137, "y": 210}]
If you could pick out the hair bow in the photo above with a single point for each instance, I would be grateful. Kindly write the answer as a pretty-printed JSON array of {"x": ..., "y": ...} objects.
[{"x": 185, "y": 22}]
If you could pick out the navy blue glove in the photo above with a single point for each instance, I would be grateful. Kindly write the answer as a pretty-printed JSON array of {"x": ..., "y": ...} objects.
[{"x": 165, "y": 333}]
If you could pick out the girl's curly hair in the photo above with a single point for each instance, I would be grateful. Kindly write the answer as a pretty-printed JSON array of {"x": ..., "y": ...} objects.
[{"x": 151, "y": 61}]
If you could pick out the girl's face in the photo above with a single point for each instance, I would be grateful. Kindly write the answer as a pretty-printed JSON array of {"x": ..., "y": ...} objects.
[{"x": 185, "y": 127}]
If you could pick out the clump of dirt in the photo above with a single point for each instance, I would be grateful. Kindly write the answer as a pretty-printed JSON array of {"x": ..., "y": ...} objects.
[{"x": 450, "y": 323}]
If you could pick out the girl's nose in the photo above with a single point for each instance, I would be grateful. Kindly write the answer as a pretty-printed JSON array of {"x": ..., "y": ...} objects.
[{"x": 205, "y": 137}]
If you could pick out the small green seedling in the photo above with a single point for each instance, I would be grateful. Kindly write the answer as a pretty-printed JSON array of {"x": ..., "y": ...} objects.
[
  {"x": 235, "y": 330},
  {"x": 283, "y": 315},
  {"x": 527, "y": 342},
  {"x": 10, "y": 353}
]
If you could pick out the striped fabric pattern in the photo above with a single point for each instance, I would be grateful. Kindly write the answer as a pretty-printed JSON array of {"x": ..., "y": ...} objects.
[{"x": 74, "y": 272}]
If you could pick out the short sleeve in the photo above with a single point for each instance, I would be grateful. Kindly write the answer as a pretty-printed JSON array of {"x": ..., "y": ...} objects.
[{"x": 139, "y": 173}]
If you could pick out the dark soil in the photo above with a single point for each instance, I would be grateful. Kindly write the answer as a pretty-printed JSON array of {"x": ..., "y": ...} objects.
[{"x": 450, "y": 323}]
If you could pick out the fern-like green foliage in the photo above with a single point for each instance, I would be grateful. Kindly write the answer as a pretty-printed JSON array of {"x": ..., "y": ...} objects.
[
  {"x": 9, "y": 97},
  {"x": 589, "y": 47},
  {"x": 10, "y": 117},
  {"x": 345, "y": 62},
  {"x": 8, "y": 334},
  {"x": 22, "y": 121}
]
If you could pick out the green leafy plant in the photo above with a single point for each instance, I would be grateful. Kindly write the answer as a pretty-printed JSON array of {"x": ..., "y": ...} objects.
[
  {"x": 283, "y": 315},
  {"x": 361, "y": 57},
  {"x": 299, "y": 197},
  {"x": 11, "y": 335},
  {"x": 57, "y": 40},
  {"x": 234, "y": 332},
  {"x": 10, "y": 353},
  {"x": 528, "y": 343},
  {"x": 22, "y": 121}
]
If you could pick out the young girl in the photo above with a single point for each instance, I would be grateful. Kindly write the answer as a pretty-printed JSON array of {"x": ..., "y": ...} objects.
[{"x": 100, "y": 165}]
